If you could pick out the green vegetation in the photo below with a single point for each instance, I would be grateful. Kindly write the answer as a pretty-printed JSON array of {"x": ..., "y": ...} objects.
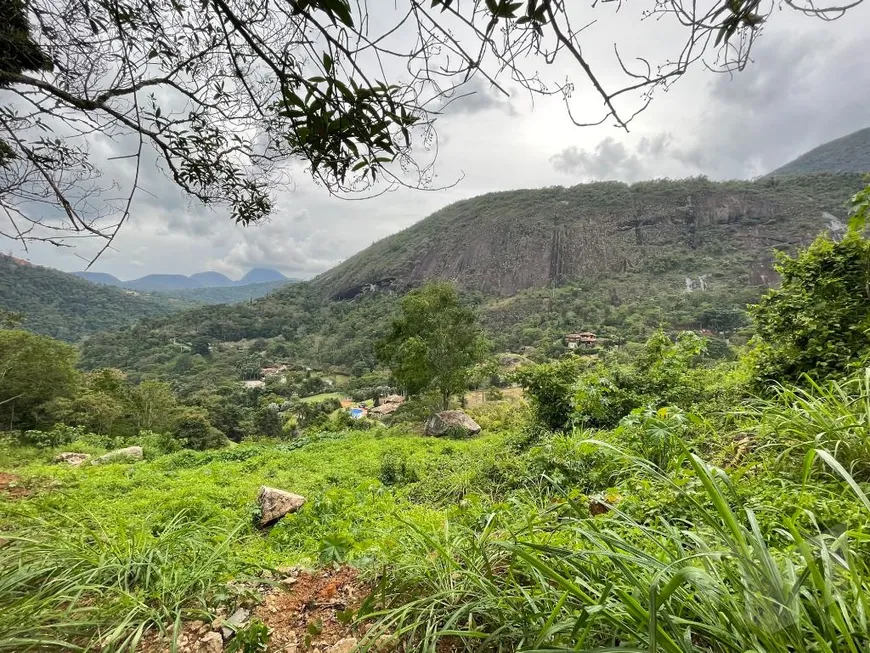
[
  {"x": 847, "y": 154},
  {"x": 621, "y": 276},
  {"x": 666, "y": 491},
  {"x": 818, "y": 321},
  {"x": 62, "y": 306},
  {"x": 33, "y": 371},
  {"x": 434, "y": 343}
]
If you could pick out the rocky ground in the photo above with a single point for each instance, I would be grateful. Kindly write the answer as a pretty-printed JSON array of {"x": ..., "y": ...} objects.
[{"x": 305, "y": 612}]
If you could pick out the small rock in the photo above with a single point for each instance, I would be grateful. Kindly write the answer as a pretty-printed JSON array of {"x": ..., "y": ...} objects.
[
  {"x": 119, "y": 455},
  {"x": 196, "y": 627},
  {"x": 210, "y": 643},
  {"x": 448, "y": 421},
  {"x": 289, "y": 582},
  {"x": 239, "y": 619},
  {"x": 345, "y": 645},
  {"x": 275, "y": 503},
  {"x": 71, "y": 458}
]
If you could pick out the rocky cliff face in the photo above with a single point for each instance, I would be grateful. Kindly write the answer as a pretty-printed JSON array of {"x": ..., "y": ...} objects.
[{"x": 501, "y": 243}]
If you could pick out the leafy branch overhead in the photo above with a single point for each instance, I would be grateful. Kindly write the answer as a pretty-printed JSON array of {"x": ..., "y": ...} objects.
[{"x": 223, "y": 94}]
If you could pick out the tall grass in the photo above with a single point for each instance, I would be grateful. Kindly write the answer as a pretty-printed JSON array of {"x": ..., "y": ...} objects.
[
  {"x": 98, "y": 584},
  {"x": 566, "y": 582},
  {"x": 834, "y": 416}
]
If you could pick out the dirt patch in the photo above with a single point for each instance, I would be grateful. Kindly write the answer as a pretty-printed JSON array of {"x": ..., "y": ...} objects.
[
  {"x": 12, "y": 486},
  {"x": 305, "y": 611},
  {"x": 313, "y": 610}
]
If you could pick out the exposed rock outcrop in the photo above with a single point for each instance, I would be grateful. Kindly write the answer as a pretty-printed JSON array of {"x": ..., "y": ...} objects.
[
  {"x": 451, "y": 421},
  {"x": 71, "y": 458},
  {"x": 127, "y": 454},
  {"x": 275, "y": 503}
]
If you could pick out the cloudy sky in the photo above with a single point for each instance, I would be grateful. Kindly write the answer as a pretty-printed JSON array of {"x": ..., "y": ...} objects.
[{"x": 808, "y": 82}]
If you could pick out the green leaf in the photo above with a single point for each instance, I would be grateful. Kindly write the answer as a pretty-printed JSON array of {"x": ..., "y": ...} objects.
[{"x": 315, "y": 627}]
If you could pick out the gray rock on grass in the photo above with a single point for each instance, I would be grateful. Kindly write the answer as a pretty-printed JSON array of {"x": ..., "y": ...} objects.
[
  {"x": 72, "y": 458},
  {"x": 127, "y": 454},
  {"x": 451, "y": 421},
  {"x": 275, "y": 503}
]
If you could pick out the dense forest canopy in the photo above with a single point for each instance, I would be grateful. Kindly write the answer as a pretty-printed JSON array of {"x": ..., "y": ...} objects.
[{"x": 65, "y": 307}]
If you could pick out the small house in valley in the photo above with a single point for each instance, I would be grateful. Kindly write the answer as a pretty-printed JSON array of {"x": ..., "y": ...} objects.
[{"x": 583, "y": 339}]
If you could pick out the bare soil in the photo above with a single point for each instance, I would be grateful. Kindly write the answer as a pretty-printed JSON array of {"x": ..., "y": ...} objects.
[
  {"x": 11, "y": 486},
  {"x": 305, "y": 611}
]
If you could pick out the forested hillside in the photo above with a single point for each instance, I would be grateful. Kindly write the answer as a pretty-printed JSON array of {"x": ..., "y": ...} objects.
[
  {"x": 229, "y": 294},
  {"x": 501, "y": 243},
  {"x": 847, "y": 154},
  {"x": 691, "y": 265},
  {"x": 60, "y": 305}
]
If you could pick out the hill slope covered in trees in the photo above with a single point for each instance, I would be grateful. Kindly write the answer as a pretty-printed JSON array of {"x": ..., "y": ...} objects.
[
  {"x": 850, "y": 153},
  {"x": 502, "y": 243},
  {"x": 621, "y": 275},
  {"x": 63, "y": 306}
]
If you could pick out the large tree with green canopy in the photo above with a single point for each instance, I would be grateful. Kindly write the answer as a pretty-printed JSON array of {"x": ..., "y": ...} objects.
[
  {"x": 434, "y": 343},
  {"x": 33, "y": 371}
]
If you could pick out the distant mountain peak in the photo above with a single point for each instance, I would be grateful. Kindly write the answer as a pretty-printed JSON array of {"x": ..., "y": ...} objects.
[
  {"x": 175, "y": 282},
  {"x": 261, "y": 275},
  {"x": 211, "y": 279},
  {"x": 99, "y": 277}
]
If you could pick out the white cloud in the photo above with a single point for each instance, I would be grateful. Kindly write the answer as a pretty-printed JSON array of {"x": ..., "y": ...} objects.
[{"x": 807, "y": 84}]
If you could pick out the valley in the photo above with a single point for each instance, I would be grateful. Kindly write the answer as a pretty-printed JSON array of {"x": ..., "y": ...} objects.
[{"x": 600, "y": 418}]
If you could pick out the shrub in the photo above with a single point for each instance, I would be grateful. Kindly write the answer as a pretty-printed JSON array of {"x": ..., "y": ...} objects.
[
  {"x": 498, "y": 416},
  {"x": 817, "y": 323},
  {"x": 655, "y": 435},
  {"x": 551, "y": 388},
  {"x": 395, "y": 470},
  {"x": 157, "y": 444},
  {"x": 58, "y": 436},
  {"x": 572, "y": 461},
  {"x": 600, "y": 393},
  {"x": 194, "y": 431}
]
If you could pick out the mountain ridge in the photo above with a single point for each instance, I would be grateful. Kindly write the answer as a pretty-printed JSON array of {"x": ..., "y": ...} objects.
[
  {"x": 175, "y": 282},
  {"x": 501, "y": 243},
  {"x": 66, "y": 307},
  {"x": 618, "y": 260},
  {"x": 849, "y": 153}
]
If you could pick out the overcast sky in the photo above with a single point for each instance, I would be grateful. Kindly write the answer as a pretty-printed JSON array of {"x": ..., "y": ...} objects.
[{"x": 809, "y": 82}]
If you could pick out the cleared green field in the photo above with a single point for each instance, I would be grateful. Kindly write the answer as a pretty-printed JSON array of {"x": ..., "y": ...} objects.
[{"x": 323, "y": 396}]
